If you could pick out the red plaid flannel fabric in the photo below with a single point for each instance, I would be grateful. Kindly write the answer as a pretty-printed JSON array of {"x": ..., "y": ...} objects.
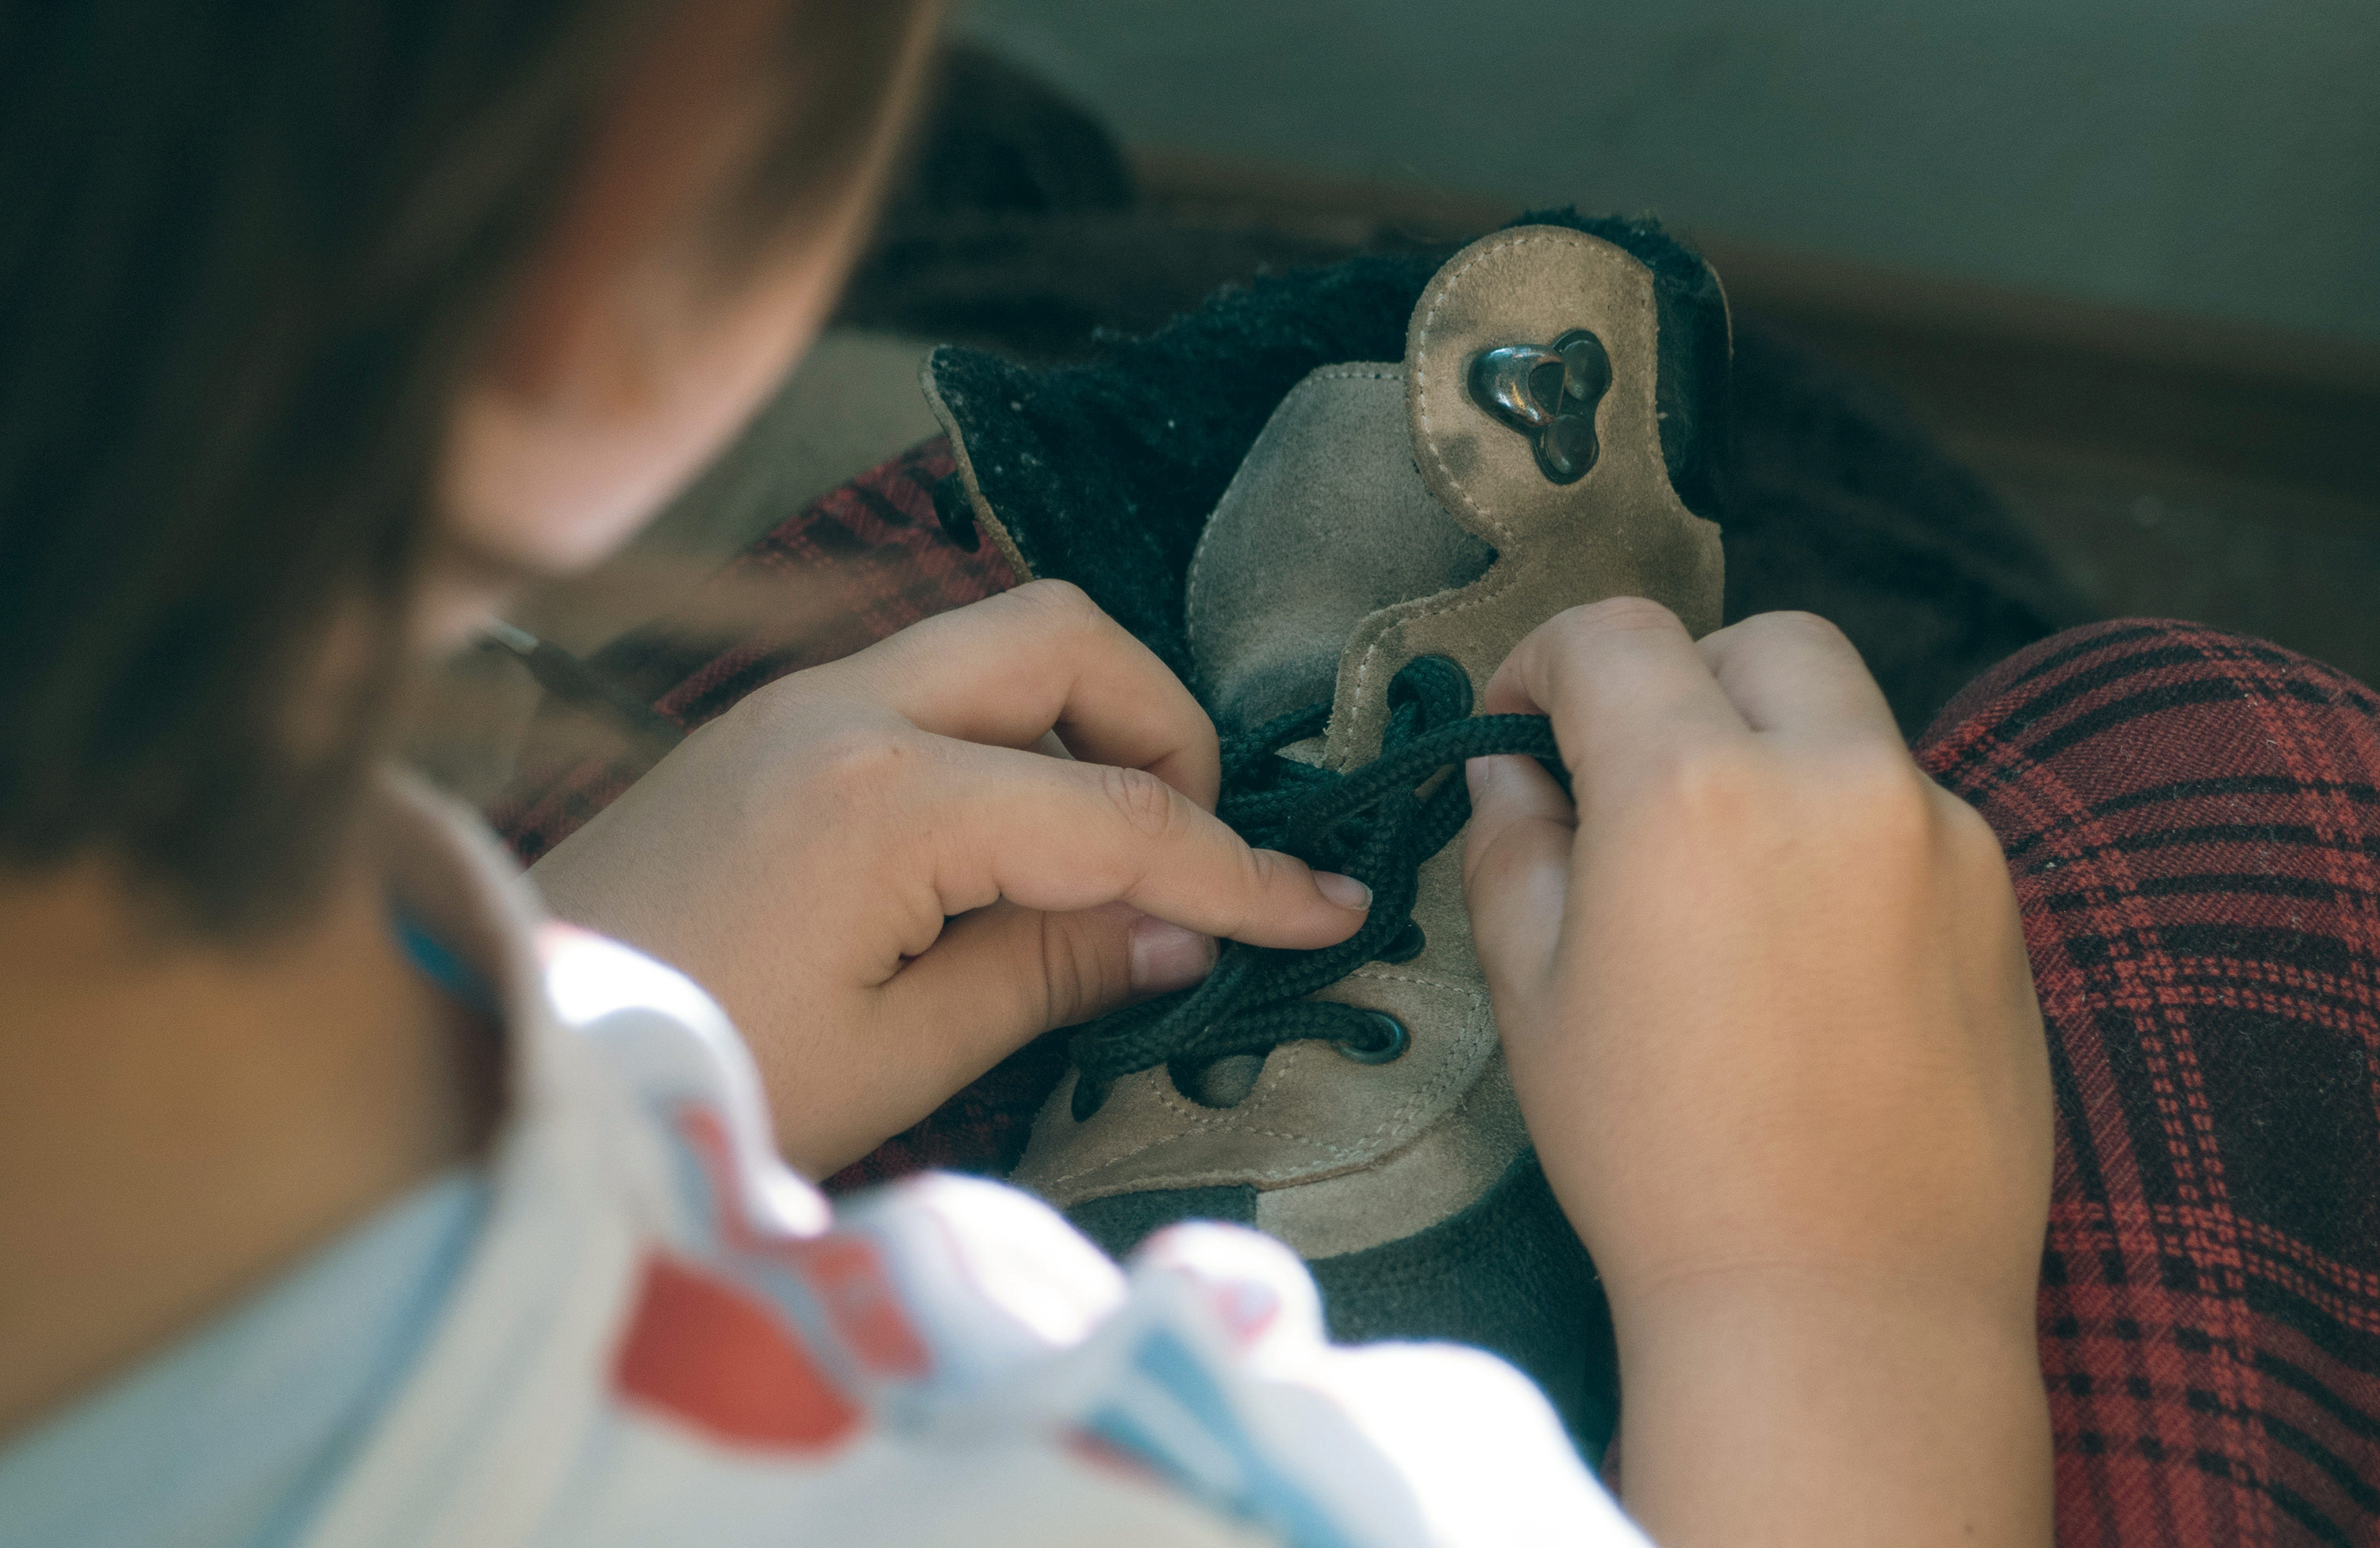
[
  {"x": 2193, "y": 825},
  {"x": 2191, "y": 820}
]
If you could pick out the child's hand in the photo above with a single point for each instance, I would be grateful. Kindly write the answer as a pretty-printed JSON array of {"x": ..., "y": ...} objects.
[
  {"x": 1766, "y": 1002},
  {"x": 802, "y": 858}
]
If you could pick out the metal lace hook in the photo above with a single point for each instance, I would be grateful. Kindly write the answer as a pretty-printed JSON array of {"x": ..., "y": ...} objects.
[
  {"x": 1501, "y": 383},
  {"x": 1549, "y": 396}
]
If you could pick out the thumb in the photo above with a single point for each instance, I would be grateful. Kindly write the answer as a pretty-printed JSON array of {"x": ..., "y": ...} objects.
[
  {"x": 992, "y": 982},
  {"x": 1007, "y": 974},
  {"x": 1516, "y": 856}
]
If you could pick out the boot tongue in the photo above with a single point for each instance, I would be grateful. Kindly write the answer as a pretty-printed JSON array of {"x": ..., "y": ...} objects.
[{"x": 1327, "y": 522}]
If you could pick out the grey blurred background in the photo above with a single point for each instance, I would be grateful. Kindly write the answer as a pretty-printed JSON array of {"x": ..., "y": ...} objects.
[
  {"x": 2217, "y": 158},
  {"x": 2120, "y": 257}
]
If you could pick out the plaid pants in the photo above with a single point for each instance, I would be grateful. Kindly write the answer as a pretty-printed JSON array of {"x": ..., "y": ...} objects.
[{"x": 2191, "y": 822}]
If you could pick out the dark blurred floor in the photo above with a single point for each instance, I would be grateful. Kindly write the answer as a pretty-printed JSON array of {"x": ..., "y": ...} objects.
[
  {"x": 2173, "y": 467},
  {"x": 2156, "y": 541}
]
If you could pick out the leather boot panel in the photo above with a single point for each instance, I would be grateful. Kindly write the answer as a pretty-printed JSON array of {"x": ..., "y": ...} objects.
[
  {"x": 1306, "y": 1119},
  {"x": 1312, "y": 1114},
  {"x": 1446, "y": 1171},
  {"x": 1326, "y": 523},
  {"x": 1621, "y": 529}
]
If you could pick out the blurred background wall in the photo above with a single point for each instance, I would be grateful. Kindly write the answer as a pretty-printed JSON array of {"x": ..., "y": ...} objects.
[
  {"x": 2210, "y": 157},
  {"x": 2093, "y": 283}
]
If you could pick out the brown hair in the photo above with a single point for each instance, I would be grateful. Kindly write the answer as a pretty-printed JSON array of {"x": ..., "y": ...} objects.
[{"x": 248, "y": 250}]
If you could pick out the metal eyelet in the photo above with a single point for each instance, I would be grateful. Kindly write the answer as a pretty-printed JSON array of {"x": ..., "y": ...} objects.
[
  {"x": 1391, "y": 1043},
  {"x": 1548, "y": 396}
]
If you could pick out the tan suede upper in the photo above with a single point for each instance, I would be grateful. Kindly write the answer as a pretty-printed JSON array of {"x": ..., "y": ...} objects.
[
  {"x": 1383, "y": 515},
  {"x": 1331, "y": 478},
  {"x": 1620, "y": 531}
]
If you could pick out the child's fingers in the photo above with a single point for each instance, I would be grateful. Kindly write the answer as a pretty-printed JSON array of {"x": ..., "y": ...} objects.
[
  {"x": 1795, "y": 674},
  {"x": 1624, "y": 684},
  {"x": 1012, "y": 667},
  {"x": 995, "y": 979},
  {"x": 1062, "y": 836},
  {"x": 1516, "y": 858},
  {"x": 1007, "y": 974}
]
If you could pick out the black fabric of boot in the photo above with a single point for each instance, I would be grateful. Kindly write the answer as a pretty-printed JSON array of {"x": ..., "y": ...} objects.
[{"x": 1834, "y": 502}]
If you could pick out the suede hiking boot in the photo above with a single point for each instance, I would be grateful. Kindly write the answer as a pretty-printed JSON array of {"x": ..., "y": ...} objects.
[{"x": 1396, "y": 528}]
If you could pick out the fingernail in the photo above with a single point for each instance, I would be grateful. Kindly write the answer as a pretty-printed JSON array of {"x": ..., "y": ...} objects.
[
  {"x": 1345, "y": 891},
  {"x": 1475, "y": 775},
  {"x": 1165, "y": 957}
]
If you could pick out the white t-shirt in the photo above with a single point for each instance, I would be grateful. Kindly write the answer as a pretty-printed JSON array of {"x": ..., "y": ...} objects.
[{"x": 653, "y": 1332}]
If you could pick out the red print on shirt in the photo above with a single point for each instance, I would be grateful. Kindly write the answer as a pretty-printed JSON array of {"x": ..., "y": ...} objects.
[{"x": 715, "y": 1356}]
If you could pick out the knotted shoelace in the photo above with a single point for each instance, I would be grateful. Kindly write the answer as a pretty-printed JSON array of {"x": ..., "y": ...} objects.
[{"x": 1377, "y": 824}]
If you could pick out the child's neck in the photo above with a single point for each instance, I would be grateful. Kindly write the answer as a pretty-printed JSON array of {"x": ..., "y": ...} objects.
[{"x": 180, "y": 1120}]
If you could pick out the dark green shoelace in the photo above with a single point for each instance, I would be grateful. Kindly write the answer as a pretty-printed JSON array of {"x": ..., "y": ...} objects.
[{"x": 1377, "y": 824}]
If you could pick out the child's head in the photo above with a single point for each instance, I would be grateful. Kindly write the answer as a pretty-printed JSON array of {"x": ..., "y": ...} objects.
[{"x": 323, "y": 323}]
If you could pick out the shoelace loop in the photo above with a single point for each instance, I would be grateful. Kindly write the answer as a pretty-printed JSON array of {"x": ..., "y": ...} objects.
[{"x": 1377, "y": 824}]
